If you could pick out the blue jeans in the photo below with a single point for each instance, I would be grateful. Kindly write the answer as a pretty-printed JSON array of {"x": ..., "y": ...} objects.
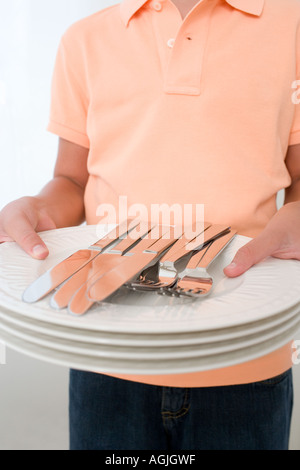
[{"x": 113, "y": 414}]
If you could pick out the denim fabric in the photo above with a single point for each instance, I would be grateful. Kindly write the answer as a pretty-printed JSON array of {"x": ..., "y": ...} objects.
[{"x": 112, "y": 414}]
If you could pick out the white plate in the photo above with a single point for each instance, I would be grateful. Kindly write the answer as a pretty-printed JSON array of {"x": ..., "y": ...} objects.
[
  {"x": 266, "y": 289},
  {"x": 134, "y": 340},
  {"x": 149, "y": 366},
  {"x": 132, "y": 353}
]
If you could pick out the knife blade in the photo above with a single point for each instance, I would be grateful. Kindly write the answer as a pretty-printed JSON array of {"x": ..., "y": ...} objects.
[
  {"x": 80, "y": 281},
  {"x": 134, "y": 261},
  {"x": 63, "y": 270}
]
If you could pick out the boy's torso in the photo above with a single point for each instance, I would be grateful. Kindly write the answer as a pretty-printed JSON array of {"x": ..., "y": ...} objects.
[
  {"x": 197, "y": 111},
  {"x": 207, "y": 119}
]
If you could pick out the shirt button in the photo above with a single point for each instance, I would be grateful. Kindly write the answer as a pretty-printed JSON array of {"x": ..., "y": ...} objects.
[
  {"x": 171, "y": 43},
  {"x": 156, "y": 6}
]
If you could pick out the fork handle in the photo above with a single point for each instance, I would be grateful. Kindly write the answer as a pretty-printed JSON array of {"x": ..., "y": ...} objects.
[
  {"x": 203, "y": 260},
  {"x": 157, "y": 239},
  {"x": 130, "y": 240}
]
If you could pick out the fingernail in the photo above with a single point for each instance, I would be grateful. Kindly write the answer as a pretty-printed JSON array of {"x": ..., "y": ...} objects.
[
  {"x": 38, "y": 251},
  {"x": 232, "y": 266}
]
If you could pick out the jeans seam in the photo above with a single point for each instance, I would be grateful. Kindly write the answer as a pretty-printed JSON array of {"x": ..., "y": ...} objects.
[
  {"x": 170, "y": 415},
  {"x": 179, "y": 413}
]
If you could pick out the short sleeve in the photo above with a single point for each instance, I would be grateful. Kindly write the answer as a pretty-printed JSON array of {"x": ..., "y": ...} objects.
[{"x": 69, "y": 97}]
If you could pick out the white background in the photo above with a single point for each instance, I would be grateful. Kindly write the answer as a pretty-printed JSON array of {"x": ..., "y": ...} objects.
[{"x": 33, "y": 395}]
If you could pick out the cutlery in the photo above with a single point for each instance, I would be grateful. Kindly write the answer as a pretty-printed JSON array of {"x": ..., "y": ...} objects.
[
  {"x": 186, "y": 244},
  {"x": 150, "y": 274},
  {"x": 153, "y": 279},
  {"x": 133, "y": 262},
  {"x": 195, "y": 281},
  {"x": 62, "y": 271},
  {"x": 96, "y": 267}
]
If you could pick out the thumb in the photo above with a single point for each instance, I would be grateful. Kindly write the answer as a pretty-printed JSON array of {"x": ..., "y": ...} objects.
[
  {"x": 26, "y": 237},
  {"x": 250, "y": 254}
]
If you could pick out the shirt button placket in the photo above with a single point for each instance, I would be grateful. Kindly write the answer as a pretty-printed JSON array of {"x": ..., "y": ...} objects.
[
  {"x": 171, "y": 43},
  {"x": 157, "y": 6},
  {"x": 166, "y": 23},
  {"x": 185, "y": 68}
]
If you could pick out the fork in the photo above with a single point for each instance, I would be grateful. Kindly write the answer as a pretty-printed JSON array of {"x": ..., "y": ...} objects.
[
  {"x": 152, "y": 278},
  {"x": 195, "y": 281}
]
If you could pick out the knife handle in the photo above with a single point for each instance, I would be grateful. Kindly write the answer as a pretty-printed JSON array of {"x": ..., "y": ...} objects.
[
  {"x": 179, "y": 250},
  {"x": 209, "y": 235},
  {"x": 169, "y": 235},
  {"x": 116, "y": 233},
  {"x": 125, "y": 244},
  {"x": 203, "y": 260},
  {"x": 198, "y": 242},
  {"x": 156, "y": 234}
]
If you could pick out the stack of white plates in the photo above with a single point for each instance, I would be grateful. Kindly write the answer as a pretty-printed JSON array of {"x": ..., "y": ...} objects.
[{"x": 140, "y": 333}]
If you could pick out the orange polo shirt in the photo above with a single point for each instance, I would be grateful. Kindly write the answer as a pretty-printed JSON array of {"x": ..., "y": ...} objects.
[{"x": 198, "y": 110}]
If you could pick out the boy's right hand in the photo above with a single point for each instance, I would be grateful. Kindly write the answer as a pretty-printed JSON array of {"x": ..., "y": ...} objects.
[{"x": 21, "y": 220}]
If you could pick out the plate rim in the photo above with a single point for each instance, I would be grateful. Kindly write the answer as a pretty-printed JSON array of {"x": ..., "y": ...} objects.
[
  {"x": 140, "y": 329},
  {"x": 182, "y": 339},
  {"x": 129, "y": 353},
  {"x": 67, "y": 360}
]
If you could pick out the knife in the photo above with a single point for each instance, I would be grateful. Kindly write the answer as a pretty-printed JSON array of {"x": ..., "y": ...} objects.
[
  {"x": 133, "y": 262},
  {"x": 62, "y": 271},
  {"x": 96, "y": 267}
]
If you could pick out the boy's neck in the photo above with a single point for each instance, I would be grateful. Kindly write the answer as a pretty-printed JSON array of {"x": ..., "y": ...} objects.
[{"x": 185, "y": 6}]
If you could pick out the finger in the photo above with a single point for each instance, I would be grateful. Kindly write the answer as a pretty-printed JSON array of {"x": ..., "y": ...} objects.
[
  {"x": 24, "y": 234},
  {"x": 45, "y": 223},
  {"x": 250, "y": 254},
  {"x": 3, "y": 235},
  {"x": 5, "y": 239}
]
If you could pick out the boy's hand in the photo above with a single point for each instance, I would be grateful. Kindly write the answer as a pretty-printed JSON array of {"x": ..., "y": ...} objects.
[
  {"x": 280, "y": 239},
  {"x": 19, "y": 222}
]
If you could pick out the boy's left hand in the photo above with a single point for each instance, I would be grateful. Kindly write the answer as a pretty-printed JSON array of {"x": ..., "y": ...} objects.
[{"x": 280, "y": 239}]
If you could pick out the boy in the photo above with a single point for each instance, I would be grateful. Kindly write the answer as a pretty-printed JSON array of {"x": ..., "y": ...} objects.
[{"x": 179, "y": 102}]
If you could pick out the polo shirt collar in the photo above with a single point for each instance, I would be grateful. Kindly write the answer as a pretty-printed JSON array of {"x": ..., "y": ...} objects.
[{"x": 253, "y": 7}]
